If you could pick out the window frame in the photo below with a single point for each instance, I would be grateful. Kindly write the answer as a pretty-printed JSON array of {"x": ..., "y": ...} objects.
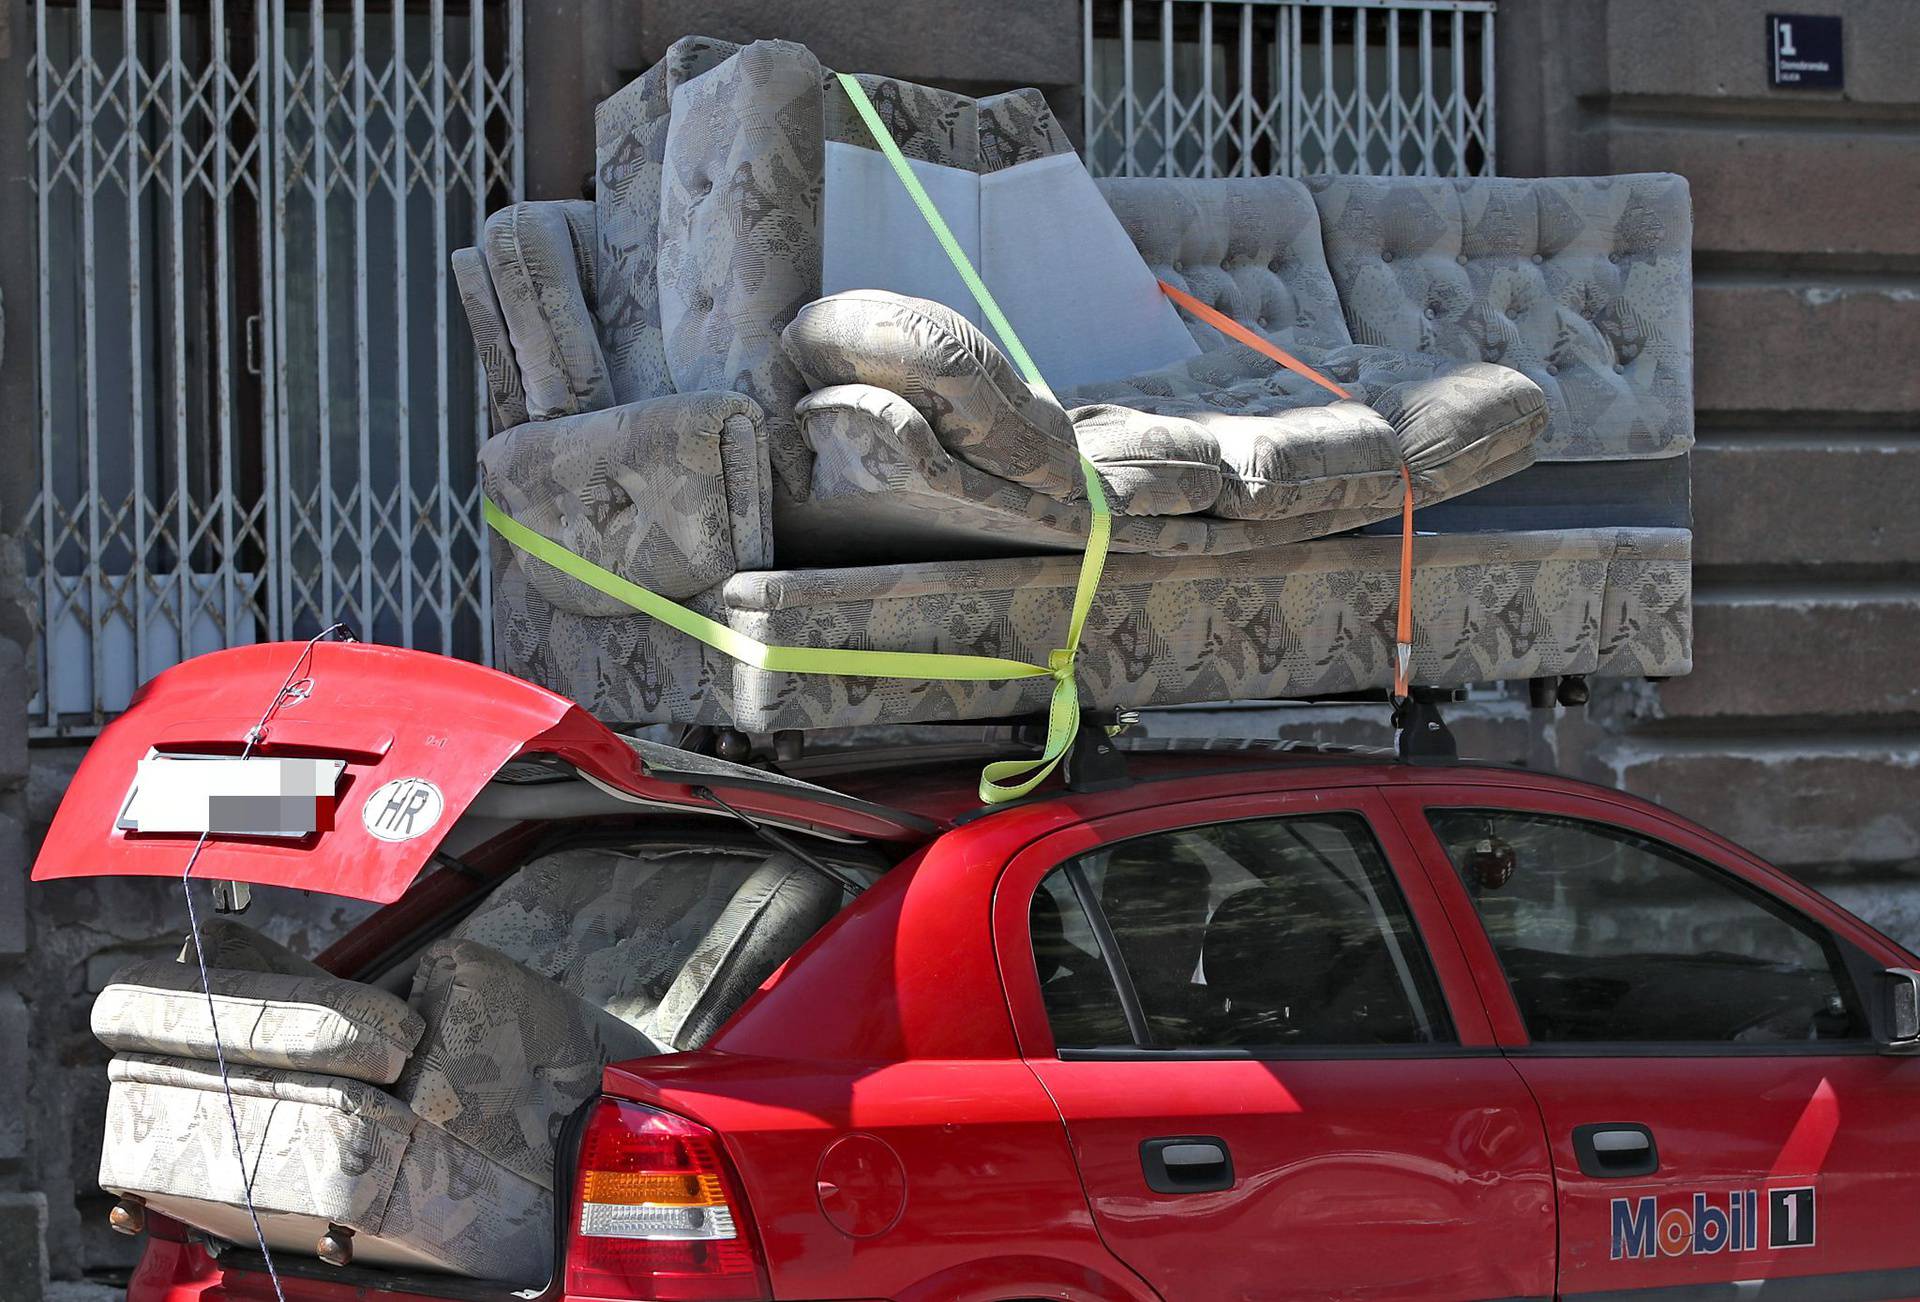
[
  {"x": 1460, "y": 1005},
  {"x": 1838, "y": 934}
]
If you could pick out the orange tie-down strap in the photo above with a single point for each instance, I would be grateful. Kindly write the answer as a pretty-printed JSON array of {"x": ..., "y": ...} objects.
[{"x": 1226, "y": 325}]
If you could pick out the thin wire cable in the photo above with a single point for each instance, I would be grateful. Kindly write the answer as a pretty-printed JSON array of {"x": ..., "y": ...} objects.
[{"x": 206, "y": 985}]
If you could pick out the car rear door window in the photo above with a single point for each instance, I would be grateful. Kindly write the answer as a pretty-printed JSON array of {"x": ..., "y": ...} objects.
[
  {"x": 1607, "y": 936},
  {"x": 1268, "y": 933}
]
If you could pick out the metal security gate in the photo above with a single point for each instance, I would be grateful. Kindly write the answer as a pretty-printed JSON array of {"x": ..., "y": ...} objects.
[
  {"x": 258, "y": 407},
  {"x": 1215, "y": 88}
]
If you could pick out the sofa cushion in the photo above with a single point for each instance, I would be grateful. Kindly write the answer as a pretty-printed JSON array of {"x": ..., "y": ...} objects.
[
  {"x": 979, "y": 407},
  {"x": 1295, "y": 462},
  {"x": 266, "y": 1019},
  {"x": 1457, "y": 425},
  {"x": 1582, "y": 284},
  {"x": 319, "y": 1145},
  {"x": 321, "y": 1149},
  {"x": 540, "y": 258}
]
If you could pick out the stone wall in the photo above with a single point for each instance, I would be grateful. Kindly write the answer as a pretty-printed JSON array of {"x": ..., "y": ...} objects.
[{"x": 1798, "y": 734}]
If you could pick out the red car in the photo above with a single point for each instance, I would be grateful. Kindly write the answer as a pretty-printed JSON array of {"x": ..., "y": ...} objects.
[{"x": 1243, "y": 1024}]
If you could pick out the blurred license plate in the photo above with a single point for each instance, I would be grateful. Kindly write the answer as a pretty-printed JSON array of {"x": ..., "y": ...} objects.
[{"x": 224, "y": 795}]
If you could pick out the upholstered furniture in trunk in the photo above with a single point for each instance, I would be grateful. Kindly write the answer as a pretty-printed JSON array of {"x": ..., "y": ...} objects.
[{"x": 426, "y": 1126}]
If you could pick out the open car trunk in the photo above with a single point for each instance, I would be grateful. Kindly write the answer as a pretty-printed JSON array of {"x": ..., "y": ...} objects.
[{"x": 588, "y": 899}]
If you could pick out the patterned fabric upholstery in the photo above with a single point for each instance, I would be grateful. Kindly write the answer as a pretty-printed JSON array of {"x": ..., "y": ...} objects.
[
  {"x": 739, "y": 231},
  {"x": 321, "y": 1149},
  {"x": 1486, "y": 322},
  {"x": 979, "y": 407},
  {"x": 630, "y": 130},
  {"x": 492, "y": 344},
  {"x": 1338, "y": 457},
  {"x": 303, "y": 1023},
  {"x": 507, "y": 1054},
  {"x": 233, "y": 944},
  {"x": 1306, "y": 620},
  {"x": 1246, "y": 246},
  {"x": 669, "y": 488},
  {"x": 612, "y": 926},
  {"x": 452, "y": 1170},
  {"x": 1457, "y": 425},
  {"x": 540, "y": 259},
  {"x": 770, "y": 915},
  {"x": 1583, "y": 285}
]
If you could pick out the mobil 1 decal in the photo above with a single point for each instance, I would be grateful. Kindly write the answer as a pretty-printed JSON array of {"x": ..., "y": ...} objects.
[{"x": 1704, "y": 1224}]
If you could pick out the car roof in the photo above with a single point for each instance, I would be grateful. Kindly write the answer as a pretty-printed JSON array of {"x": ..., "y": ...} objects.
[{"x": 940, "y": 781}]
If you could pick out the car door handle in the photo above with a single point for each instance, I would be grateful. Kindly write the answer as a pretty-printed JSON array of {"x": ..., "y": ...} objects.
[
  {"x": 1615, "y": 1150},
  {"x": 1184, "y": 1164}
]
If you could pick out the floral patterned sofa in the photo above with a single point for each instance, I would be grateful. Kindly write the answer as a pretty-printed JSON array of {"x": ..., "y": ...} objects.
[{"x": 678, "y": 399}]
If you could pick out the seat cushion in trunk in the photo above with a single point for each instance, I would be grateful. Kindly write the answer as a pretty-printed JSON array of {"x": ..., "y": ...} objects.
[{"x": 320, "y": 1150}]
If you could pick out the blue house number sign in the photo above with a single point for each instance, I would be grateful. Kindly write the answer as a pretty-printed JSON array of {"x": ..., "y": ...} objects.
[{"x": 1803, "y": 51}]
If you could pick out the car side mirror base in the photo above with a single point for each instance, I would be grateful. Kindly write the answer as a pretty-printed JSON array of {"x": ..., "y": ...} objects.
[{"x": 1902, "y": 1010}]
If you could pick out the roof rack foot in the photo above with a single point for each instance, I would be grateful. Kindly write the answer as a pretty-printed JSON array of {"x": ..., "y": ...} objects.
[
  {"x": 1093, "y": 762},
  {"x": 1423, "y": 736},
  {"x": 1540, "y": 692}
]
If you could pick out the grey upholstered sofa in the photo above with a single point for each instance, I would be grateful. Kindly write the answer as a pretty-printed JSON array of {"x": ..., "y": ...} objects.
[{"x": 675, "y": 401}]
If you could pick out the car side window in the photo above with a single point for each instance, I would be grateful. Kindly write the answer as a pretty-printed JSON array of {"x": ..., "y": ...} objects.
[
  {"x": 1607, "y": 936},
  {"x": 1269, "y": 933}
]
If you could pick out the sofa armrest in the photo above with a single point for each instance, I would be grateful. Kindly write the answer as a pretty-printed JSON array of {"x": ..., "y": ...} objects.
[
  {"x": 266, "y": 1019},
  {"x": 507, "y": 1054},
  {"x": 672, "y": 493},
  {"x": 882, "y": 479},
  {"x": 977, "y": 405}
]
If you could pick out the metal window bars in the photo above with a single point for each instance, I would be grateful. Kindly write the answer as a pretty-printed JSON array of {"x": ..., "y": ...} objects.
[
  {"x": 1263, "y": 87},
  {"x": 258, "y": 410}
]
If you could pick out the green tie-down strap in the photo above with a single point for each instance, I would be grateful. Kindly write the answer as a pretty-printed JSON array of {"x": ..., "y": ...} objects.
[{"x": 1000, "y": 781}]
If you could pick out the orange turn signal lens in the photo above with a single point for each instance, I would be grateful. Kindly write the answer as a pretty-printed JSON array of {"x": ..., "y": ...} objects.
[{"x": 660, "y": 1188}]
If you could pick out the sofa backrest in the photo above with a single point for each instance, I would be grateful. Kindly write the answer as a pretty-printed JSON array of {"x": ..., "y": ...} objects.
[
  {"x": 1247, "y": 246},
  {"x": 704, "y": 240},
  {"x": 1582, "y": 284}
]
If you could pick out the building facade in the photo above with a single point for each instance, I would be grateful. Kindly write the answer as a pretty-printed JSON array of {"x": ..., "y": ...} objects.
[{"x": 184, "y": 466}]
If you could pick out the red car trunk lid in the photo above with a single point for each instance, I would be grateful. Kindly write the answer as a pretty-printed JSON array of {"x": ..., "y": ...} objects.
[{"x": 421, "y": 730}]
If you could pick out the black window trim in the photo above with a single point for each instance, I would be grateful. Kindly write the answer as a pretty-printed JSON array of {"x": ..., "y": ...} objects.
[
  {"x": 1836, "y": 950},
  {"x": 1145, "y": 1051}
]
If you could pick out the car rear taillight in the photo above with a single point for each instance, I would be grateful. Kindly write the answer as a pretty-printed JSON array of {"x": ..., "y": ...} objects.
[{"x": 658, "y": 1214}]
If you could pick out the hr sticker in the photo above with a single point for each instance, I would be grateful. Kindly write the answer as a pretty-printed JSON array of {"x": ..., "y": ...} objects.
[
  {"x": 403, "y": 809},
  {"x": 1702, "y": 1224}
]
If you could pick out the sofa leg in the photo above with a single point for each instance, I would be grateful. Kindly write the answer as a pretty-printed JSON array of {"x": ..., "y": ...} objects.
[
  {"x": 129, "y": 1216},
  {"x": 335, "y": 1246}
]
